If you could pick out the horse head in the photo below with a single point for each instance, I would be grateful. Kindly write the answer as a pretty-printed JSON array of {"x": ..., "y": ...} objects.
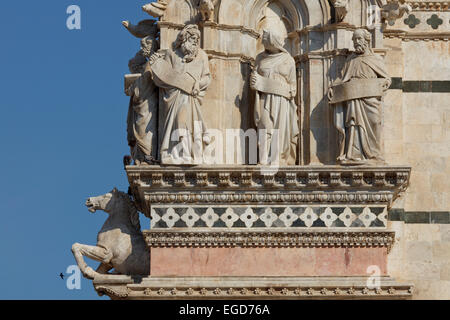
[
  {"x": 115, "y": 202},
  {"x": 106, "y": 202}
]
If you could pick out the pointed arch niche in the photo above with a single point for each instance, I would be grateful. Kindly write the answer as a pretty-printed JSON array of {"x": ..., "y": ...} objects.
[{"x": 304, "y": 26}]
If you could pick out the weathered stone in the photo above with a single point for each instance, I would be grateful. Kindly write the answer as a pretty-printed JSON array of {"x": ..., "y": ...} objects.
[{"x": 419, "y": 251}]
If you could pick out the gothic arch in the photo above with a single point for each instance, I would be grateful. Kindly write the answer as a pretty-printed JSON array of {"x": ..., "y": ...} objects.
[
  {"x": 182, "y": 11},
  {"x": 301, "y": 13}
]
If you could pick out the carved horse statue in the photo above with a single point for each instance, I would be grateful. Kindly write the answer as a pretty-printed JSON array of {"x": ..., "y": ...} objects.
[{"x": 120, "y": 243}]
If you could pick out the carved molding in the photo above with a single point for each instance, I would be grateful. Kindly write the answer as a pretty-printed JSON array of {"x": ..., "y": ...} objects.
[
  {"x": 429, "y": 6},
  {"x": 269, "y": 197},
  {"x": 417, "y": 36},
  {"x": 255, "y": 288},
  {"x": 283, "y": 293},
  {"x": 213, "y": 54},
  {"x": 112, "y": 291},
  {"x": 253, "y": 33},
  {"x": 321, "y": 55},
  {"x": 213, "y": 185},
  {"x": 254, "y": 178},
  {"x": 161, "y": 238}
]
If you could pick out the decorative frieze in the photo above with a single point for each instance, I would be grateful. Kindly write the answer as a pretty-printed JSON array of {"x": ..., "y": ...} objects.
[
  {"x": 429, "y": 6},
  {"x": 156, "y": 177},
  {"x": 158, "y": 238},
  {"x": 417, "y": 36},
  {"x": 294, "y": 187},
  {"x": 156, "y": 288},
  {"x": 269, "y": 197},
  {"x": 195, "y": 216}
]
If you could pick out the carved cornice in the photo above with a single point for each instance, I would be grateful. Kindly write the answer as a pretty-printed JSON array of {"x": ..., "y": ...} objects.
[
  {"x": 279, "y": 292},
  {"x": 429, "y": 6},
  {"x": 251, "y": 32},
  {"x": 172, "y": 25},
  {"x": 328, "y": 27},
  {"x": 213, "y": 54},
  {"x": 321, "y": 55},
  {"x": 257, "y": 178},
  {"x": 158, "y": 238},
  {"x": 212, "y": 25},
  {"x": 112, "y": 291},
  {"x": 268, "y": 197},
  {"x": 253, "y": 185},
  {"x": 256, "y": 288},
  {"x": 417, "y": 36}
]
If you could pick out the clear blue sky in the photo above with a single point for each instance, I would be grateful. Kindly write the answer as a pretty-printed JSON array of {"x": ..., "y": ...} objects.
[{"x": 63, "y": 135}]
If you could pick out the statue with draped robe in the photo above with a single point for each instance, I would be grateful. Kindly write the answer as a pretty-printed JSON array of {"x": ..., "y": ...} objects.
[
  {"x": 275, "y": 82},
  {"x": 183, "y": 75},
  {"x": 356, "y": 97},
  {"x": 143, "y": 107}
]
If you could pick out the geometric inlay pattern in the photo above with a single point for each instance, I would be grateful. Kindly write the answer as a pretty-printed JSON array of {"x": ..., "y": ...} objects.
[
  {"x": 411, "y": 21},
  {"x": 434, "y": 21},
  {"x": 295, "y": 216}
]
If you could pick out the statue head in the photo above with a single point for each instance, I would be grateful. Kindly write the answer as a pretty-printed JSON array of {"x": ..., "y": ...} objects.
[
  {"x": 149, "y": 45},
  {"x": 362, "y": 40},
  {"x": 188, "y": 42},
  {"x": 273, "y": 41}
]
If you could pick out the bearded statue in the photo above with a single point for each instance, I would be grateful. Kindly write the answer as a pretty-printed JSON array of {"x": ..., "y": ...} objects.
[
  {"x": 357, "y": 100},
  {"x": 183, "y": 75}
]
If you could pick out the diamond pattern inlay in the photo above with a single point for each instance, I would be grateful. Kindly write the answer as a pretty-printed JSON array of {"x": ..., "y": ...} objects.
[{"x": 269, "y": 217}]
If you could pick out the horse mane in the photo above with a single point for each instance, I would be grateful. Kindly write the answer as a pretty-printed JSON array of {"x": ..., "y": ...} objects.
[{"x": 134, "y": 214}]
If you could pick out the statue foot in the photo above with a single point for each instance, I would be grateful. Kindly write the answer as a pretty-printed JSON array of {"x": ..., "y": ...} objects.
[
  {"x": 352, "y": 162},
  {"x": 150, "y": 160}
]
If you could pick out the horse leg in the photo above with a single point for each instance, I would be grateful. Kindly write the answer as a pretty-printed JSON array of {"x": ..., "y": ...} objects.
[
  {"x": 103, "y": 268},
  {"x": 93, "y": 252}
]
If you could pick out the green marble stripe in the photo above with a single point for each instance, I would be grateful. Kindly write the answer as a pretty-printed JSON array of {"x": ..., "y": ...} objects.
[
  {"x": 426, "y": 217},
  {"x": 434, "y": 86}
]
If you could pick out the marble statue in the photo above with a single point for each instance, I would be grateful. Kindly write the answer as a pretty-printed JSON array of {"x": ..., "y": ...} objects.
[
  {"x": 142, "y": 135},
  {"x": 120, "y": 243},
  {"x": 357, "y": 99},
  {"x": 138, "y": 62},
  {"x": 155, "y": 9},
  {"x": 143, "y": 29},
  {"x": 206, "y": 8},
  {"x": 183, "y": 75},
  {"x": 275, "y": 83},
  {"x": 394, "y": 10},
  {"x": 341, "y": 9}
]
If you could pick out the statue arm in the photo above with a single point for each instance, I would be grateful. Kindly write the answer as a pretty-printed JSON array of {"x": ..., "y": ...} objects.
[
  {"x": 205, "y": 80},
  {"x": 293, "y": 79}
]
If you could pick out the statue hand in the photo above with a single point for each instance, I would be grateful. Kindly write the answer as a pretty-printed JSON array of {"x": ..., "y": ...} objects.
[
  {"x": 154, "y": 57},
  {"x": 292, "y": 94},
  {"x": 253, "y": 80},
  {"x": 196, "y": 89},
  {"x": 330, "y": 93},
  {"x": 129, "y": 91}
]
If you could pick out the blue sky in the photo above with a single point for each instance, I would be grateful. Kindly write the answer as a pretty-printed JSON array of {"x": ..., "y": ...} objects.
[{"x": 63, "y": 135}]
